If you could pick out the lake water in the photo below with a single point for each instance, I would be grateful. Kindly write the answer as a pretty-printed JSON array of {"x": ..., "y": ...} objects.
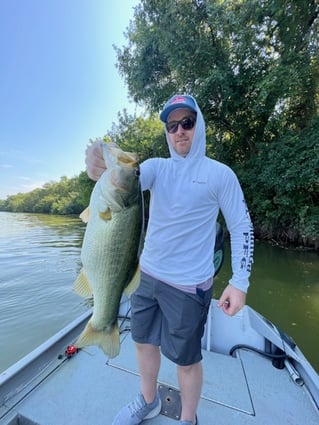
[{"x": 40, "y": 259}]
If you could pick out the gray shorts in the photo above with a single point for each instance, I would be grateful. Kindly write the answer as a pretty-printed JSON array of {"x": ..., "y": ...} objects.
[{"x": 172, "y": 319}]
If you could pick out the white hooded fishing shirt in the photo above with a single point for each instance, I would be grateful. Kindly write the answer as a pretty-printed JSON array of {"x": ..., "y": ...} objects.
[{"x": 186, "y": 197}]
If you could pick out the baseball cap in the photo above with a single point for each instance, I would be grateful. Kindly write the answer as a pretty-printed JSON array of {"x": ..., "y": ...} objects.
[{"x": 176, "y": 102}]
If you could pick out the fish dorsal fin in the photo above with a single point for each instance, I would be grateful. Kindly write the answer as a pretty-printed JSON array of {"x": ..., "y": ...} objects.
[
  {"x": 106, "y": 215},
  {"x": 81, "y": 286},
  {"x": 134, "y": 283},
  {"x": 85, "y": 215}
]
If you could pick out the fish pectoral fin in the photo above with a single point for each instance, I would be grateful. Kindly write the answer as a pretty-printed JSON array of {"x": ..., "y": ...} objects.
[
  {"x": 134, "y": 283},
  {"x": 81, "y": 285},
  {"x": 106, "y": 215},
  {"x": 85, "y": 215},
  {"x": 109, "y": 342}
]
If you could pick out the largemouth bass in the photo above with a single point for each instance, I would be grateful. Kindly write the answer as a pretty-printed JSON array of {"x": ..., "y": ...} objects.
[{"x": 111, "y": 247}]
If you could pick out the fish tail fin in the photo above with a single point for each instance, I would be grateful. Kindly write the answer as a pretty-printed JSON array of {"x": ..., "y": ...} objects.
[
  {"x": 81, "y": 285},
  {"x": 134, "y": 283},
  {"x": 109, "y": 342}
]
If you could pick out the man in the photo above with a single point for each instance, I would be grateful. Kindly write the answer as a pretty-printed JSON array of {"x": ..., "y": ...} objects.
[{"x": 169, "y": 309}]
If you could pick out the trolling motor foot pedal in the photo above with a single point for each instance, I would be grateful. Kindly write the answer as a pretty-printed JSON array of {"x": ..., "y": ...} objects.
[{"x": 171, "y": 402}]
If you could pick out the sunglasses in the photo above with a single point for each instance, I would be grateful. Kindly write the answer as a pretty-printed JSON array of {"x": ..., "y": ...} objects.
[{"x": 187, "y": 123}]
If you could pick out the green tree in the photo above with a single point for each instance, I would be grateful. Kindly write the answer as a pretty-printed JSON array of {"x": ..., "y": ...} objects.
[
  {"x": 142, "y": 135},
  {"x": 68, "y": 196},
  {"x": 283, "y": 187},
  {"x": 85, "y": 187},
  {"x": 252, "y": 65}
]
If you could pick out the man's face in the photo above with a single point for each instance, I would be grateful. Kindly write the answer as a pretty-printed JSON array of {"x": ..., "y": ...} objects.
[{"x": 181, "y": 140}]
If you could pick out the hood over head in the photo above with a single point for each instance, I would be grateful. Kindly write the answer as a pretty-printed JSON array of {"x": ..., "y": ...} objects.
[{"x": 198, "y": 148}]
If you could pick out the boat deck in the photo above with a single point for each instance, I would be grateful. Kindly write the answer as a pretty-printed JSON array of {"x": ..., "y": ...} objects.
[{"x": 88, "y": 389}]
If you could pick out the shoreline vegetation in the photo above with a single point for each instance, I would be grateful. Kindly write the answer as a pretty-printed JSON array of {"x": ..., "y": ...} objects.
[{"x": 71, "y": 196}]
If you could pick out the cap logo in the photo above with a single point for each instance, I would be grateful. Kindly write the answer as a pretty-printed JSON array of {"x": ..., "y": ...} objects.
[{"x": 178, "y": 99}]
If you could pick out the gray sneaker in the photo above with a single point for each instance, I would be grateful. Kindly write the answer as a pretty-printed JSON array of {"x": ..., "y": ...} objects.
[
  {"x": 138, "y": 410},
  {"x": 189, "y": 422}
]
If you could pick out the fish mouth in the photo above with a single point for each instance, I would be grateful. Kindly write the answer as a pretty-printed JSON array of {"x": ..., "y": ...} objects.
[{"x": 129, "y": 159}]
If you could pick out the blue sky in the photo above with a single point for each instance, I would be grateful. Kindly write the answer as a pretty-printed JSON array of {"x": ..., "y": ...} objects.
[{"x": 59, "y": 86}]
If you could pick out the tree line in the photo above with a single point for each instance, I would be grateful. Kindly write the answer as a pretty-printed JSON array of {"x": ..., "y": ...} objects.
[
  {"x": 67, "y": 197},
  {"x": 253, "y": 67}
]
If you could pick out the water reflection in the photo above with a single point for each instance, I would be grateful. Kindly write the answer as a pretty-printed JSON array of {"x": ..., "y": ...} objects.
[
  {"x": 39, "y": 260},
  {"x": 285, "y": 289}
]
